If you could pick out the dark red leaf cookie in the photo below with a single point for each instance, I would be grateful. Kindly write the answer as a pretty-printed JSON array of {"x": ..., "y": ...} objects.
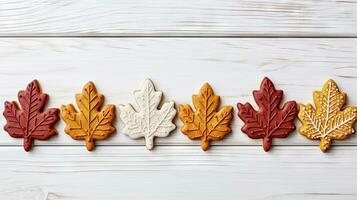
[
  {"x": 31, "y": 121},
  {"x": 270, "y": 121}
]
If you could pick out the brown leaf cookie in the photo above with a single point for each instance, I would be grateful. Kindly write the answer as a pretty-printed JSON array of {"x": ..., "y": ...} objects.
[
  {"x": 269, "y": 121},
  {"x": 31, "y": 121}
]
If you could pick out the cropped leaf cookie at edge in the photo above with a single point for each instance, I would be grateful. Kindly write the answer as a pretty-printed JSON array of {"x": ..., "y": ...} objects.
[
  {"x": 91, "y": 123},
  {"x": 31, "y": 121},
  {"x": 147, "y": 120},
  {"x": 269, "y": 121},
  {"x": 206, "y": 123},
  {"x": 330, "y": 120}
]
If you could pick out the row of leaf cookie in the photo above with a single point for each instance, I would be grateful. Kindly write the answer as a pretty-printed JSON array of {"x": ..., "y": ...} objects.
[
  {"x": 92, "y": 122},
  {"x": 327, "y": 122},
  {"x": 146, "y": 121},
  {"x": 330, "y": 120}
]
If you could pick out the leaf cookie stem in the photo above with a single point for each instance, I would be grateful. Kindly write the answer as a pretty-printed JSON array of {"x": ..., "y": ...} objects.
[{"x": 90, "y": 143}]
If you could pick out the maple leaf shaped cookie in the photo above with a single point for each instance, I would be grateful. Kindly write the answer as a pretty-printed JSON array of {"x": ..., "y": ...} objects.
[
  {"x": 270, "y": 121},
  {"x": 329, "y": 121},
  {"x": 206, "y": 123},
  {"x": 90, "y": 123},
  {"x": 31, "y": 122},
  {"x": 147, "y": 121}
]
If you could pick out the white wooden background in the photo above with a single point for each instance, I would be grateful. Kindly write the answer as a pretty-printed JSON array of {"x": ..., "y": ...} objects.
[{"x": 179, "y": 44}]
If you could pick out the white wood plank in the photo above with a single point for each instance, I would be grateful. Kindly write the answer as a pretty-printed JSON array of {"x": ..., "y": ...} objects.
[
  {"x": 71, "y": 173},
  {"x": 179, "y": 67},
  {"x": 178, "y": 18}
]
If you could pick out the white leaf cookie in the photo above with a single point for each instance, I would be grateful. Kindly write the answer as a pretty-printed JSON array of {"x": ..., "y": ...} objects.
[{"x": 147, "y": 120}]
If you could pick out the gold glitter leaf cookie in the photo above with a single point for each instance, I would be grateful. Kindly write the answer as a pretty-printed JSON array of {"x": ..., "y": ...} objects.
[
  {"x": 329, "y": 121},
  {"x": 90, "y": 123}
]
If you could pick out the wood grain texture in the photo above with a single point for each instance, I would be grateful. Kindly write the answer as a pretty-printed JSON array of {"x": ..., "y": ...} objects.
[
  {"x": 178, "y": 18},
  {"x": 118, "y": 44},
  {"x": 71, "y": 173},
  {"x": 178, "y": 67}
]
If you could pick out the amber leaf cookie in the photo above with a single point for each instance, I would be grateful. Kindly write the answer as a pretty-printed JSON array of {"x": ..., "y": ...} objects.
[
  {"x": 206, "y": 123},
  {"x": 91, "y": 123},
  {"x": 329, "y": 120},
  {"x": 31, "y": 121},
  {"x": 269, "y": 121},
  {"x": 147, "y": 120}
]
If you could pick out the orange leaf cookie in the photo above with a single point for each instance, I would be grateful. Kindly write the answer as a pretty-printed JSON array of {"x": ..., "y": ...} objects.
[
  {"x": 330, "y": 120},
  {"x": 90, "y": 123},
  {"x": 206, "y": 123}
]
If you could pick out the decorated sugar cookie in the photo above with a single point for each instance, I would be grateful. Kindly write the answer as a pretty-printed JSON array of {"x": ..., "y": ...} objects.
[
  {"x": 270, "y": 120},
  {"x": 206, "y": 123},
  {"x": 145, "y": 119},
  {"x": 31, "y": 121},
  {"x": 330, "y": 120},
  {"x": 91, "y": 122}
]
